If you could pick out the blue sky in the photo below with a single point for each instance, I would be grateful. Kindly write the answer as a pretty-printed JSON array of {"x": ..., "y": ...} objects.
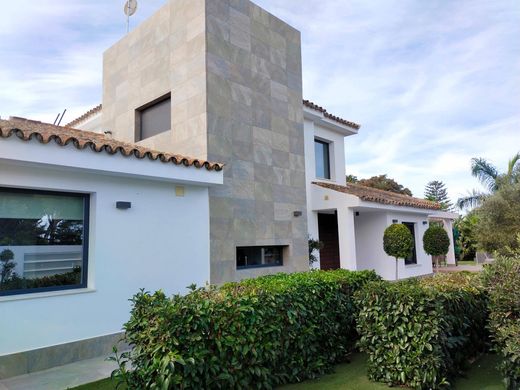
[{"x": 432, "y": 83}]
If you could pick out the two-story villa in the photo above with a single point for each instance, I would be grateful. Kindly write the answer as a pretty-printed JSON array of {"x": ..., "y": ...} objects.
[{"x": 203, "y": 164}]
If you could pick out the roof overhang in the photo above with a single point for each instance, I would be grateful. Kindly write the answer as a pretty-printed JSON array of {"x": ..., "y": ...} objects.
[
  {"x": 319, "y": 118},
  {"x": 33, "y": 153}
]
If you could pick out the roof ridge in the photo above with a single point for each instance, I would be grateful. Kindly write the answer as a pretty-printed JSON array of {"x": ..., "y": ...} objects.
[
  {"x": 85, "y": 116},
  {"x": 314, "y": 106}
]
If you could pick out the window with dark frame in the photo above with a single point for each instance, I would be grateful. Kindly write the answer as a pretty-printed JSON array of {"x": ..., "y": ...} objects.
[
  {"x": 322, "y": 157},
  {"x": 43, "y": 241},
  {"x": 412, "y": 259},
  {"x": 153, "y": 118},
  {"x": 259, "y": 256}
]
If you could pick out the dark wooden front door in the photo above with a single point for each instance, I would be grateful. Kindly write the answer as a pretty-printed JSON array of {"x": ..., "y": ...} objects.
[{"x": 328, "y": 231}]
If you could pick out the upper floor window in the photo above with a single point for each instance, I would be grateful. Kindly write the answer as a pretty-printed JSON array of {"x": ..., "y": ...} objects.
[
  {"x": 153, "y": 118},
  {"x": 322, "y": 156},
  {"x": 43, "y": 241}
]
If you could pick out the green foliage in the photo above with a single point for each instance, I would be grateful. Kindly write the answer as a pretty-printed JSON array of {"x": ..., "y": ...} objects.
[
  {"x": 256, "y": 334},
  {"x": 65, "y": 279},
  {"x": 491, "y": 178},
  {"x": 499, "y": 220},
  {"x": 436, "y": 191},
  {"x": 385, "y": 183},
  {"x": 398, "y": 241},
  {"x": 314, "y": 245},
  {"x": 421, "y": 333},
  {"x": 467, "y": 242},
  {"x": 6, "y": 266},
  {"x": 436, "y": 241},
  {"x": 502, "y": 281},
  {"x": 351, "y": 179}
]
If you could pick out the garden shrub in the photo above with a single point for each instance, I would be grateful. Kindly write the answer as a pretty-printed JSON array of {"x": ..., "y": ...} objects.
[
  {"x": 398, "y": 242},
  {"x": 421, "y": 333},
  {"x": 255, "y": 334},
  {"x": 502, "y": 281}
]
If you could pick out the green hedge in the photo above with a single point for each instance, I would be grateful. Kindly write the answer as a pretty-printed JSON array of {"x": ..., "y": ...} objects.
[
  {"x": 421, "y": 333},
  {"x": 502, "y": 280},
  {"x": 255, "y": 334}
]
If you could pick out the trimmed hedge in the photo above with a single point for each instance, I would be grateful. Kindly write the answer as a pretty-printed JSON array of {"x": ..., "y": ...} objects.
[
  {"x": 502, "y": 280},
  {"x": 421, "y": 333},
  {"x": 255, "y": 334}
]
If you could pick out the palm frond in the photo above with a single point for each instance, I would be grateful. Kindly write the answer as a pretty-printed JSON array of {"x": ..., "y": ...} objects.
[
  {"x": 513, "y": 167},
  {"x": 474, "y": 199},
  {"x": 485, "y": 172}
]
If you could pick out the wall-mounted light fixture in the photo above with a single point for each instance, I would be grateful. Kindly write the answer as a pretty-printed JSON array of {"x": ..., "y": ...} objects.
[
  {"x": 357, "y": 213},
  {"x": 123, "y": 205},
  {"x": 297, "y": 213},
  {"x": 394, "y": 221}
]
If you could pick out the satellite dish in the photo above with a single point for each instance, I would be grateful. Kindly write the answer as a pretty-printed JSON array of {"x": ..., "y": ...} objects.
[{"x": 130, "y": 7}]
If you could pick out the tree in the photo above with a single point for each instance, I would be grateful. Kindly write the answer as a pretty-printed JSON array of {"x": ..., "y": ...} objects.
[
  {"x": 466, "y": 240},
  {"x": 490, "y": 178},
  {"x": 398, "y": 243},
  {"x": 314, "y": 245},
  {"x": 436, "y": 242},
  {"x": 351, "y": 179},
  {"x": 385, "y": 183},
  {"x": 436, "y": 192},
  {"x": 6, "y": 260},
  {"x": 499, "y": 220}
]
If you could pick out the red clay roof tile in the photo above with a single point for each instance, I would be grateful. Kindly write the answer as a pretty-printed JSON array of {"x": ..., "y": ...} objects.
[{"x": 27, "y": 129}]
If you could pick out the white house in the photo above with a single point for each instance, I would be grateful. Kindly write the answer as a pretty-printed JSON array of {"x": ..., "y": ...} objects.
[
  {"x": 94, "y": 211},
  {"x": 350, "y": 219},
  {"x": 90, "y": 221}
]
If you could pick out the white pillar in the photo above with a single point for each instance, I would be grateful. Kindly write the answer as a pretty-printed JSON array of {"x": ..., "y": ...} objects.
[
  {"x": 312, "y": 226},
  {"x": 347, "y": 239},
  {"x": 448, "y": 226}
]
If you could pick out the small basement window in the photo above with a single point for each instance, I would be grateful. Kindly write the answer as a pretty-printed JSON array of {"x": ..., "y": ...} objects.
[
  {"x": 153, "y": 118},
  {"x": 259, "y": 256},
  {"x": 43, "y": 241},
  {"x": 322, "y": 157}
]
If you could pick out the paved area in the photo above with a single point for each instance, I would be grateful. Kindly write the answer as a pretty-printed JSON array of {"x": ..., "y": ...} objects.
[
  {"x": 458, "y": 268},
  {"x": 63, "y": 377}
]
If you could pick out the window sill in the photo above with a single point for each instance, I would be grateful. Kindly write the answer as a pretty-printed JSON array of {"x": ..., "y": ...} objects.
[
  {"x": 259, "y": 266},
  {"x": 46, "y": 294},
  {"x": 413, "y": 266}
]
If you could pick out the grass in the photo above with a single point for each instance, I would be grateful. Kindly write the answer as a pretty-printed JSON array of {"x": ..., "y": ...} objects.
[
  {"x": 482, "y": 375},
  {"x": 466, "y": 262}
]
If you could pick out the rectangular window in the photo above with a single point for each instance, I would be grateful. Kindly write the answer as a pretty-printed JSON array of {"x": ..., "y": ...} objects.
[
  {"x": 259, "y": 256},
  {"x": 43, "y": 241},
  {"x": 153, "y": 118},
  {"x": 322, "y": 156},
  {"x": 412, "y": 259}
]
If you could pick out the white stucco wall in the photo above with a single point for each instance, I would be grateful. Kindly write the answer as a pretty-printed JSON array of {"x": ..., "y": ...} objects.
[
  {"x": 162, "y": 242},
  {"x": 370, "y": 227}
]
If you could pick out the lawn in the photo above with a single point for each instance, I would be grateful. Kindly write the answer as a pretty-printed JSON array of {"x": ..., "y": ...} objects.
[
  {"x": 482, "y": 375},
  {"x": 466, "y": 262}
]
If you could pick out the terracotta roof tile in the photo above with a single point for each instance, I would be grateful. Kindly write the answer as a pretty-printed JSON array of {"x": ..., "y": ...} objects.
[
  {"x": 370, "y": 194},
  {"x": 27, "y": 129},
  {"x": 314, "y": 106},
  {"x": 85, "y": 116}
]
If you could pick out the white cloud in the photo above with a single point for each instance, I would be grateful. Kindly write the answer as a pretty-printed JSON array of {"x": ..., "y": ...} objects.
[{"x": 432, "y": 83}]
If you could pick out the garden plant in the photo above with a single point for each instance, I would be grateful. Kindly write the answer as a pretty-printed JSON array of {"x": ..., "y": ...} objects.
[{"x": 398, "y": 243}]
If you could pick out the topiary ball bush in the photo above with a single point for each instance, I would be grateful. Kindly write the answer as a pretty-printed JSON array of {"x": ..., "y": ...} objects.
[
  {"x": 6, "y": 255},
  {"x": 398, "y": 241},
  {"x": 436, "y": 241}
]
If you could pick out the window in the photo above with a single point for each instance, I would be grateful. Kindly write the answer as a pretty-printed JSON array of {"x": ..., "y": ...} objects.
[
  {"x": 43, "y": 241},
  {"x": 412, "y": 259},
  {"x": 321, "y": 152},
  {"x": 153, "y": 118},
  {"x": 259, "y": 256}
]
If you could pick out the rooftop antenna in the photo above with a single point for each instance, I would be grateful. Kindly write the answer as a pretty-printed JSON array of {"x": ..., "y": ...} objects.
[
  {"x": 130, "y": 8},
  {"x": 59, "y": 117}
]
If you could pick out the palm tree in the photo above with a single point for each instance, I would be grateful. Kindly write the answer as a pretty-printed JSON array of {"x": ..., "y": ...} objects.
[{"x": 490, "y": 178}]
